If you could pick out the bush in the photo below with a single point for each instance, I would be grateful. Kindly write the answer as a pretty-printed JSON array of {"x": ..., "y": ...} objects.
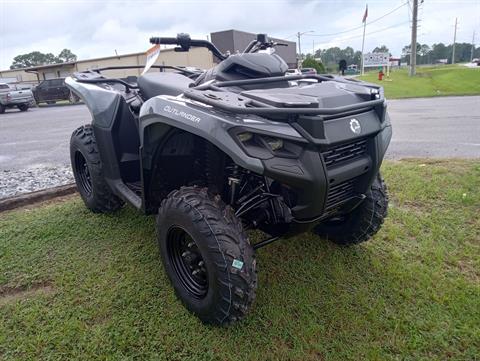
[{"x": 312, "y": 63}]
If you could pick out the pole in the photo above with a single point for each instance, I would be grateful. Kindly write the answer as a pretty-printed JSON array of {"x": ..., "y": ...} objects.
[
  {"x": 363, "y": 46},
  {"x": 473, "y": 47},
  {"x": 454, "y": 41},
  {"x": 413, "y": 44},
  {"x": 299, "y": 46},
  {"x": 313, "y": 49}
]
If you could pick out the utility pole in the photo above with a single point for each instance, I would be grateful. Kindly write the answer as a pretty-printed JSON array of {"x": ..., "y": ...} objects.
[
  {"x": 454, "y": 41},
  {"x": 413, "y": 44},
  {"x": 473, "y": 47},
  {"x": 299, "y": 35}
]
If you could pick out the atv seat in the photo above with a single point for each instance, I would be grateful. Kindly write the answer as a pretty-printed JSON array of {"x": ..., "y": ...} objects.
[{"x": 153, "y": 84}]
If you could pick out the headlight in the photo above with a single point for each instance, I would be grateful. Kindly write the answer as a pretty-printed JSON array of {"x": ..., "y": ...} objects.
[
  {"x": 274, "y": 143},
  {"x": 264, "y": 146},
  {"x": 245, "y": 137}
]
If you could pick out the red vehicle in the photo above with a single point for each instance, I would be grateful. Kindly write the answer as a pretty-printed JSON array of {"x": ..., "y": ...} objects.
[{"x": 308, "y": 71}]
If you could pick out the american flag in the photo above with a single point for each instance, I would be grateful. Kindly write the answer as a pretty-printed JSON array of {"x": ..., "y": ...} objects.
[{"x": 366, "y": 14}]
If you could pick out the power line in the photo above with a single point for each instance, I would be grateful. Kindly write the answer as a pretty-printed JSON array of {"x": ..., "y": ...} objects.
[
  {"x": 376, "y": 31},
  {"x": 361, "y": 26}
]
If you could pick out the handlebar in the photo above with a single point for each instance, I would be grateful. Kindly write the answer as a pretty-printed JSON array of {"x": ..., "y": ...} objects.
[
  {"x": 185, "y": 42},
  {"x": 167, "y": 41}
]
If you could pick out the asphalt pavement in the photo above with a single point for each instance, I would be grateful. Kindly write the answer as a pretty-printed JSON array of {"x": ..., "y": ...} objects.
[{"x": 443, "y": 127}]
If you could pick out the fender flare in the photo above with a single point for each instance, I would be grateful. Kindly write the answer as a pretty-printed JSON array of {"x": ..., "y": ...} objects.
[{"x": 159, "y": 115}]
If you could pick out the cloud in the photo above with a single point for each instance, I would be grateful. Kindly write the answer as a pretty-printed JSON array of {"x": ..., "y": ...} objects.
[{"x": 96, "y": 28}]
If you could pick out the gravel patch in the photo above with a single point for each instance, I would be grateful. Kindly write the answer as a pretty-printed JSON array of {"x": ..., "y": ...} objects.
[{"x": 13, "y": 182}]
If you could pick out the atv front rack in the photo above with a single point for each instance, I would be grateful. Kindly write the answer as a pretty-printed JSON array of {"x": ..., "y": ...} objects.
[{"x": 213, "y": 94}]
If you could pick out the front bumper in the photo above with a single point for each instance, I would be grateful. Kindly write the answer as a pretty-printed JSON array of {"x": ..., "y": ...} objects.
[
  {"x": 13, "y": 102},
  {"x": 332, "y": 175}
]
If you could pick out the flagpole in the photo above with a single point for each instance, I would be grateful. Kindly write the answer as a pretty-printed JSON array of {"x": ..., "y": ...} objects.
[{"x": 363, "y": 45}]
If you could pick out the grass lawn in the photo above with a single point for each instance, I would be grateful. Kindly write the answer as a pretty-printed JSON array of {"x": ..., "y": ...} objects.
[
  {"x": 75, "y": 285},
  {"x": 429, "y": 81}
]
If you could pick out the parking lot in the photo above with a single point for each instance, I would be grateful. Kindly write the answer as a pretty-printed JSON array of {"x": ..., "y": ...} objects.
[{"x": 34, "y": 144}]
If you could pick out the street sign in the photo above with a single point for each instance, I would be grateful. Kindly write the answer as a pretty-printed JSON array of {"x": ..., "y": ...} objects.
[{"x": 375, "y": 59}]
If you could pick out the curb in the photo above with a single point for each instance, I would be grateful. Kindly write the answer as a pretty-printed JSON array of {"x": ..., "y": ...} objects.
[{"x": 26, "y": 199}]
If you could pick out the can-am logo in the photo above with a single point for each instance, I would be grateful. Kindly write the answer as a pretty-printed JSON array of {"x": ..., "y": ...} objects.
[
  {"x": 181, "y": 113},
  {"x": 355, "y": 126}
]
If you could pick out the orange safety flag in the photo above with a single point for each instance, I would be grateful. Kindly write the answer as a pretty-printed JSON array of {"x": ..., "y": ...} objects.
[{"x": 152, "y": 56}]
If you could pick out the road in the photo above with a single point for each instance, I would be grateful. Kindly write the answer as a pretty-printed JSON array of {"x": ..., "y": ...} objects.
[
  {"x": 446, "y": 127},
  {"x": 443, "y": 127},
  {"x": 39, "y": 137}
]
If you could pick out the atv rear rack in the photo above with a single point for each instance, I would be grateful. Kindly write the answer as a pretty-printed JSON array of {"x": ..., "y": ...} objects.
[
  {"x": 86, "y": 76},
  {"x": 213, "y": 94}
]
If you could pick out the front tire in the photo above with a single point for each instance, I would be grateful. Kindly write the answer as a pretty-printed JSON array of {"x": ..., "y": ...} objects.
[
  {"x": 22, "y": 107},
  {"x": 363, "y": 222},
  {"x": 206, "y": 255},
  {"x": 88, "y": 172},
  {"x": 2, "y": 108}
]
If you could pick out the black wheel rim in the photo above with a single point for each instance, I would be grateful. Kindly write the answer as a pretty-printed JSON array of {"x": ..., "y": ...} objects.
[
  {"x": 83, "y": 173},
  {"x": 187, "y": 262}
]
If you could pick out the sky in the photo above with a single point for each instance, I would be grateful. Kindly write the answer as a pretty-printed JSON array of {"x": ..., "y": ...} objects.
[{"x": 99, "y": 28}]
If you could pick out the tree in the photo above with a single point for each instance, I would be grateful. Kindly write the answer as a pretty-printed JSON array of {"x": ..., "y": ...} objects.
[
  {"x": 36, "y": 58},
  {"x": 310, "y": 62},
  {"x": 439, "y": 51},
  {"x": 381, "y": 49},
  {"x": 424, "y": 54},
  {"x": 66, "y": 55}
]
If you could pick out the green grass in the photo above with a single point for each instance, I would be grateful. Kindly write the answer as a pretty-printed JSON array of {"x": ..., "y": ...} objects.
[
  {"x": 77, "y": 285},
  {"x": 429, "y": 81}
]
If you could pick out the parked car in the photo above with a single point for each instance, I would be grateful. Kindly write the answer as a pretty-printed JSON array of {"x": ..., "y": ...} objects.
[
  {"x": 308, "y": 71},
  {"x": 53, "y": 90},
  {"x": 9, "y": 98},
  {"x": 293, "y": 72}
]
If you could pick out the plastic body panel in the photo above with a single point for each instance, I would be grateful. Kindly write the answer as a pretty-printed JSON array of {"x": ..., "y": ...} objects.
[
  {"x": 127, "y": 148},
  {"x": 306, "y": 174}
]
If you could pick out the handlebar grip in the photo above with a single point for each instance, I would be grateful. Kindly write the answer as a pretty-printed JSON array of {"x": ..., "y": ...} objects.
[{"x": 168, "y": 41}]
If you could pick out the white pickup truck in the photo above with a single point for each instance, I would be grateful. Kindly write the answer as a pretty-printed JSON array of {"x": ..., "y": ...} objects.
[{"x": 10, "y": 97}]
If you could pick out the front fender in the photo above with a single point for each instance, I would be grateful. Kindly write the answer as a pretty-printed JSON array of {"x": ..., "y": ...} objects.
[{"x": 159, "y": 114}]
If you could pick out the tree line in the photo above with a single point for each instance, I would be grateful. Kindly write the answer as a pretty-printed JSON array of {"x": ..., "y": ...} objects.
[
  {"x": 425, "y": 54},
  {"x": 431, "y": 54},
  {"x": 36, "y": 58}
]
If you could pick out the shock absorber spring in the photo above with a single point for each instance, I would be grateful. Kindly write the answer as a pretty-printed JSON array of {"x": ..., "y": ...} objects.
[{"x": 233, "y": 181}]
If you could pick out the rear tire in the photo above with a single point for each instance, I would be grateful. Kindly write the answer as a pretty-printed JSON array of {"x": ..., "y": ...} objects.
[
  {"x": 206, "y": 255},
  {"x": 2, "y": 108},
  {"x": 73, "y": 98},
  {"x": 23, "y": 107},
  {"x": 88, "y": 172},
  {"x": 363, "y": 222}
]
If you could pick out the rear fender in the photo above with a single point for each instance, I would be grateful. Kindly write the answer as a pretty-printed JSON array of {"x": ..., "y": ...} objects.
[{"x": 101, "y": 102}]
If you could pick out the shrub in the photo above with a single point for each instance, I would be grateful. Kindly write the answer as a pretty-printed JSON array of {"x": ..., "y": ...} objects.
[{"x": 312, "y": 63}]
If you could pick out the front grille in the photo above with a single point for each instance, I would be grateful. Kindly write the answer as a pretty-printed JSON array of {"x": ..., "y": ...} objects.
[
  {"x": 339, "y": 193},
  {"x": 344, "y": 152}
]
